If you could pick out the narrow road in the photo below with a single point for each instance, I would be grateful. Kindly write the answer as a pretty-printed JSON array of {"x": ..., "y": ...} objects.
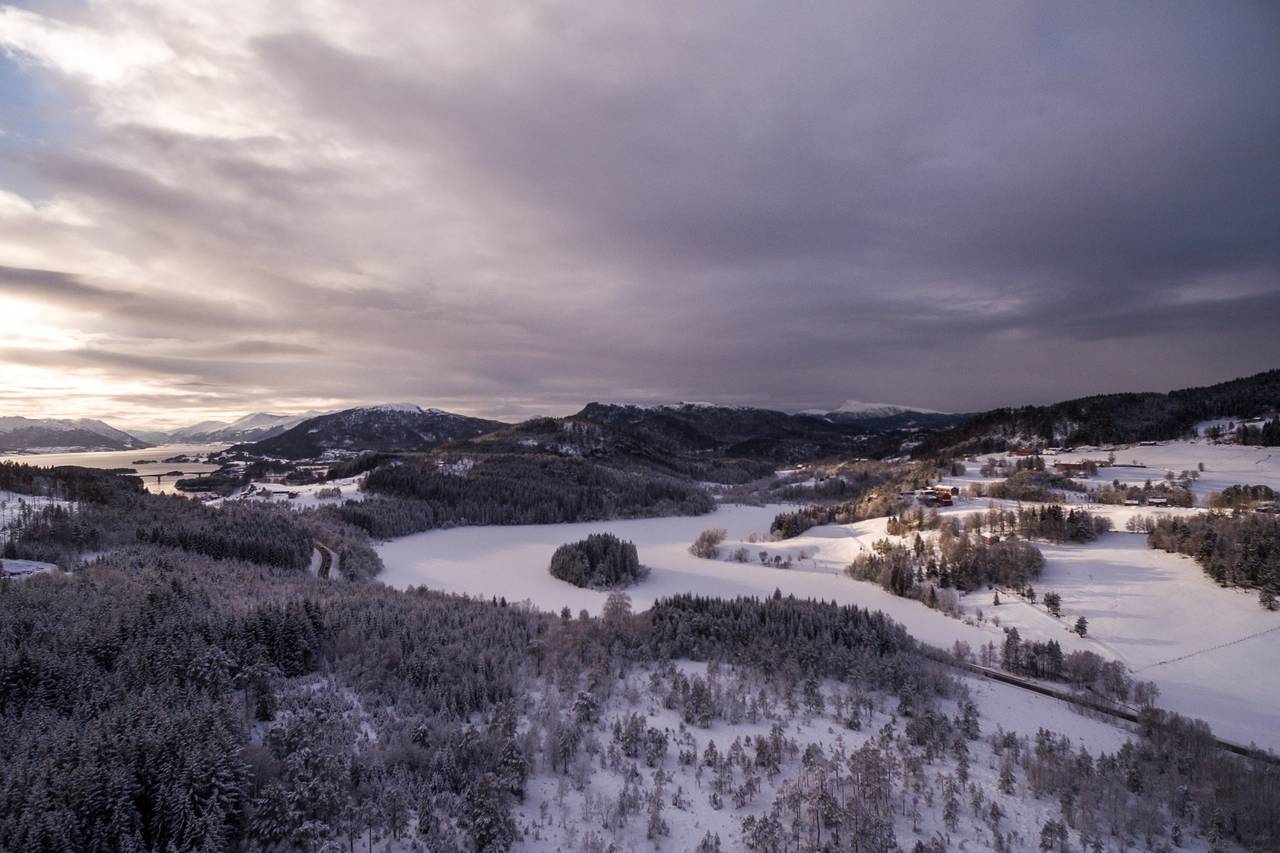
[{"x": 327, "y": 561}]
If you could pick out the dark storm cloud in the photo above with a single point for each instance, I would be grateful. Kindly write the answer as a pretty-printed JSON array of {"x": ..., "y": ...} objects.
[
  {"x": 955, "y": 205},
  {"x": 1073, "y": 167}
]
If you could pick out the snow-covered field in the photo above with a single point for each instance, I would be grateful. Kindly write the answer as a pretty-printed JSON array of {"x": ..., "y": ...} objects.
[
  {"x": 1157, "y": 612},
  {"x": 1224, "y": 464},
  {"x": 302, "y": 496},
  {"x": 1208, "y": 648},
  {"x": 511, "y": 561}
]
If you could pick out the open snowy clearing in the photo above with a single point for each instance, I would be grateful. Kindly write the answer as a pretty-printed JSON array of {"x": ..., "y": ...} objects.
[
  {"x": 298, "y": 496},
  {"x": 15, "y": 508},
  {"x": 512, "y": 562},
  {"x": 1208, "y": 648},
  {"x": 1144, "y": 607},
  {"x": 18, "y": 569},
  {"x": 1224, "y": 464}
]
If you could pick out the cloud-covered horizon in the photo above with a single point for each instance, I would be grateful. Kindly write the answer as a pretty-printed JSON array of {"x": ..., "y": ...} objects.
[{"x": 509, "y": 209}]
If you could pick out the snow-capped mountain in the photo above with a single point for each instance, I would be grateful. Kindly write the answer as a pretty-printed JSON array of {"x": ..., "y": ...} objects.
[
  {"x": 35, "y": 435},
  {"x": 858, "y": 408},
  {"x": 882, "y": 417},
  {"x": 252, "y": 427}
]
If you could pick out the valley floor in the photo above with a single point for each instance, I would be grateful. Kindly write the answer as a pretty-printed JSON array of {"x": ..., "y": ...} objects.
[{"x": 1208, "y": 648}]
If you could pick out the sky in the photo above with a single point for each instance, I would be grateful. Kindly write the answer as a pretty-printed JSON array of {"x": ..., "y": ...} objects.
[{"x": 508, "y": 209}]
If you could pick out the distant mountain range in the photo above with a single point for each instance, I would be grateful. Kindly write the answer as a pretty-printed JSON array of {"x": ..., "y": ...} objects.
[
  {"x": 859, "y": 409},
  {"x": 254, "y": 427},
  {"x": 690, "y": 439},
  {"x": 888, "y": 417},
  {"x": 677, "y": 438},
  {"x": 394, "y": 427},
  {"x": 50, "y": 435}
]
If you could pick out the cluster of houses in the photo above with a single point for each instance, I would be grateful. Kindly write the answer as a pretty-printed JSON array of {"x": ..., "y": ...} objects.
[
  {"x": 1152, "y": 500},
  {"x": 935, "y": 495},
  {"x": 261, "y": 491}
]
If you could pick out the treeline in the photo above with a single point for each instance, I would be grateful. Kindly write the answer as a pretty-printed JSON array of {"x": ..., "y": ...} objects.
[
  {"x": 781, "y": 632},
  {"x": 1052, "y": 523},
  {"x": 1082, "y": 669},
  {"x": 1116, "y": 493},
  {"x": 601, "y": 561},
  {"x": 513, "y": 489},
  {"x": 62, "y": 534},
  {"x": 234, "y": 475},
  {"x": 1170, "y": 783},
  {"x": 179, "y": 728},
  {"x": 785, "y": 525},
  {"x": 66, "y": 482},
  {"x": 961, "y": 562},
  {"x": 1028, "y": 485},
  {"x": 969, "y": 552},
  {"x": 1266, "y": 434},
  {"x": 1240, "y": 497},
  {"x": 1109, "y": 418},
  {"x": 1241, "y": 550}
]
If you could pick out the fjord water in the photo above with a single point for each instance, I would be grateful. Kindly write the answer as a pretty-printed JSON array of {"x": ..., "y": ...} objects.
[{"x": 156, "y": 475}]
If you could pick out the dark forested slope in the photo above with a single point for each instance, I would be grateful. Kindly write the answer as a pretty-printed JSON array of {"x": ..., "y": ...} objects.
[
  {"x": 403, "y": 428},
  {"x": 1110, "y": 418}
]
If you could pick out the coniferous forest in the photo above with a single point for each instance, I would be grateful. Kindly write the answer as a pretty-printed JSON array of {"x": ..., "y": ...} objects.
[
  {"x": 1235, "y": 550},
  {"x": 601, "y": 561},
  {"x": 196, "y": 688}
]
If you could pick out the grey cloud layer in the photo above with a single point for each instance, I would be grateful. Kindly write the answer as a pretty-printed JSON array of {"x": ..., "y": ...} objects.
[{"x": 955, "y": 206}]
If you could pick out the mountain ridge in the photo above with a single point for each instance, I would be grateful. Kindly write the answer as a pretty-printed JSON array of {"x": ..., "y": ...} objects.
[
  {"x": 33, "y": 435},
  {"x": 387, "y": 427},
  {"x": 1109, "y": 418}
]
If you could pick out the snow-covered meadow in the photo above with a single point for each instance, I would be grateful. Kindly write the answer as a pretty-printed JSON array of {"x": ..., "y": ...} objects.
[
  {"x": 511, "y": 562},
  {"x": 1205, "y": 646},
  {"x": 1224, "y": 464}
]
